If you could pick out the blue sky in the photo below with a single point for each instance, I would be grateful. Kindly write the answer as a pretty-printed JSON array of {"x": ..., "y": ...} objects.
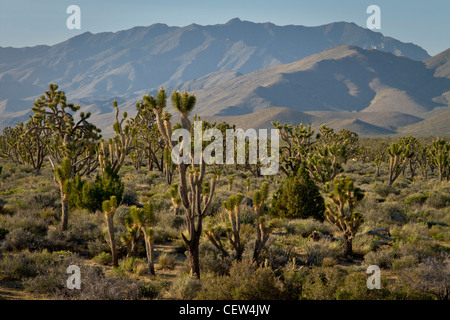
[{"x": 33, "y": 22}]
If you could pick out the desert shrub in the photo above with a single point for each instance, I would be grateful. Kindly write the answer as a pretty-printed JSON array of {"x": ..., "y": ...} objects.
[
  {"x": 428, "y": 280},
  {"x": 83, "y": 230},
  {"x": 153, "y": 289},
  {"x": 329, "y": 262},
  {"x": 315, "y": 252},
  {"x": 97, "y": 246},
  {"x": 130, "y": 196},
  {"x": 211, "y": 261},
  {"x": 305, "y": 227},
  {"x": 23, "y": 265},
  {"x": 292, "y": 280},
  {"x": 3, "y": 233},
  {"x": 411, "y": 231},
  {"x": 384, "y": 190},
  {"x": 245, "y": 282},
  {"x": 277, "y": 255},
  {"x": 184, "y": 288},
  {"x": 163, "y": 234},
  {"x": 406, "y": 261},
  {"x": 322, "y": 283},
  {"x": 354, "y": 287},
  {"x": 395, "y": 212},
  {"x": 438, "y": 232},
  {"x": 103, "y": 258},
  {"x": 167, "y": 261},
  {"x": 382, "y": 258},
  {"x": 17, "y": 266},
  {"x": 438, "y": 200},
  {"x": 95, "y": 285},
  {"x": 45, "y": 283},
  {"x": 19, "y": 239},
  {"x": 364, "y": 244},
  {"x": 172, "y": 221},
  {"x": 416, "y": 199},
  {"x": 45, "y": 200},
  {"x": 298, "y": 197}
]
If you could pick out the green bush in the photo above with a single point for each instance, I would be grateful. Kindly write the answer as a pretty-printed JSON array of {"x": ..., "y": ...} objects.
[
  {"x": 438, "y": 200},
  {"x": 153, "y": 289},
  {"x": 184, "y": 288},
  {"x": 354, "y": 287},
  {"x": 383, "y": 190},
  {"x": 382, "y": 258},
  {"x": 298, "y": 197},
  {"x": 3, "y": 233},
  {"x": 416, "y": 199},
  {"x": 167, "y": 261},
  {"x": 403, "y": 262},
  {"x": 245, "y": 282},
  {"x": 322, "y": 284},
  {"x": 103, "y": 258}
]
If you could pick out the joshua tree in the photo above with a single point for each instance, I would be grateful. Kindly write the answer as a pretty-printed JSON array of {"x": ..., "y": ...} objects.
[
  {"x": 132, "y": 237},
  {"x": 144, "y": 219},
  {"x": 325, "y": 163},
  {"x": 231, "y": 206},
  {"x": 439, "y": 155},
  {"x": 398, "y": 159},
  {"x": 74, "y": 141},
  {"x": 195, "y": 194},
  {"x": 297, "y": 142},
  {"x": 248, "y": 183},
  {"x": 262, "y": 232},
  {"x": 112, "y": 153},
  {"x": 109, "y": 208},
  {"x": 230, "y": 182},
  {"x": 215, "y": 232},
  {"x": 150, "y": 140},
  {"x": 341, "y": 210}
]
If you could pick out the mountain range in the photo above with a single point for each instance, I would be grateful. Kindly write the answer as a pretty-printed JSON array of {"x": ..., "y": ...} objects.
[{"x": 244, "y": 72}]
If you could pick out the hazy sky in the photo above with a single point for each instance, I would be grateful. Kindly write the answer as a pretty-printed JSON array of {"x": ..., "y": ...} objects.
[{"x": 33, "y": 22}]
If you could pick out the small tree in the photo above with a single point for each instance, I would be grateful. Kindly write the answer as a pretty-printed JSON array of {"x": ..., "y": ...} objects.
[
  {"x": 144, "y": 219},
  {"x": 109, "y": 208},
  {"x": 74, "y": 142},
  {"x": 231, "y": 206},
  {"x": 398, "y": 159},
  {"x": 439, "y": 154},
  {"x": 248, "y": 183},
  {"x": 132, "y": 237},
  {"x": 298, "y": 197},
  {"x": 230, "y": 182},
  {"x": 341, "y": 210},
  {"x": 195, "y": 195}
]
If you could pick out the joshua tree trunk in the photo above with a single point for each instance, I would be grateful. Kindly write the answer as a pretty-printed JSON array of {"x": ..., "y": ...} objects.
[
  {"x": 150, "y": 253},
  {"x": 348, "y": 245},
  {"x": 110, "y": 224},
  {"x": 64, "y": 208},
  {"x": 194, "y": 256}
]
